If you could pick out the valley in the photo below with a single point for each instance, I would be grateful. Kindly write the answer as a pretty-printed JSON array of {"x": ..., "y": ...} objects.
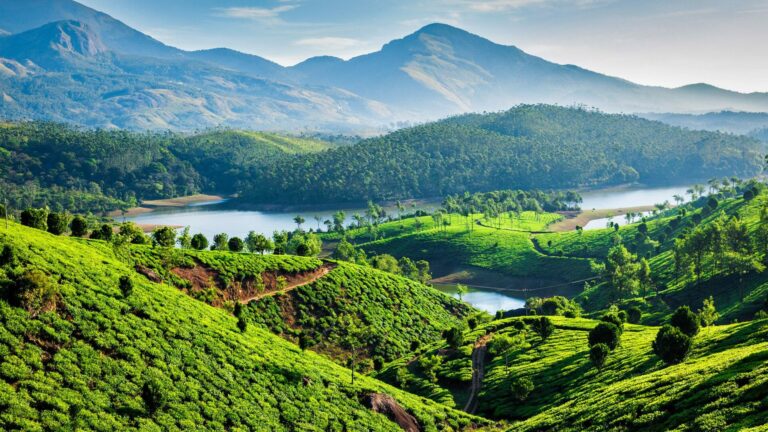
[{"x": 345, "y": 217}]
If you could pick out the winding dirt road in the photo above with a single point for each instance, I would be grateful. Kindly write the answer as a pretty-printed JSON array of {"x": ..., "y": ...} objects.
[{"x": 478, "y": 371}]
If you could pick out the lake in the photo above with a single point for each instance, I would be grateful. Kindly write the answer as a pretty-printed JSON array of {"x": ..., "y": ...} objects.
[
  {"x": 486, "y": 299},
  {"x": 630, "y": 196},
  {"x": 218, "y": 217}
]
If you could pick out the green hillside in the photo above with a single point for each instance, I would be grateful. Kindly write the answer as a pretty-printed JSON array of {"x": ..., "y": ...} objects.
[
  {"x": 723, "y": 385},
  {"x": 80, "y": 350},
  {"x": 526, "y": 147},
  {"x": 335, "y": 308}
]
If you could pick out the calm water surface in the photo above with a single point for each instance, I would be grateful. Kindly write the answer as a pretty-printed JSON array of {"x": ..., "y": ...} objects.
[
  {"x": 217, "y": 217},
  {"x": 486, "y": 299}
]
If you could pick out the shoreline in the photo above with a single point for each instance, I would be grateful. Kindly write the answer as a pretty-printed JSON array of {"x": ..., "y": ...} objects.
[
  {"x": 583, "y": 217},
  {"x": 151, "y": 205}
]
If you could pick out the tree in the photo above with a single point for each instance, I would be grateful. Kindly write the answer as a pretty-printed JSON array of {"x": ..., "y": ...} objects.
[
  {"x": 634, "y": 315},
  {"x": 424, "y": 272},
  {"x": 346, "y": 251},
  {"x": 598, "y": 354},
  {"x": 672, "y": 345},
  {"x": 385, "y": 262},
  {"x": 199, "y": 242},
  {"x": 623, "y": 271},
  {"x": 338, "y": 221},
  {"x": 460, "y": 291},
  {"x": 164, "y": 236},
  {"x": 132, "y": 233},
  {"x": 454, "y": 337},
  {"x": 220, "y": 242},
  {"x": 256, "y": 242},
  {"x": 235, "y": 244},
  {"x": 543, "y": 327},
  {"x": 685, "y": 320},
  {"x": 503, "y": 343},
  {"x": 521, "y": 388},
  {"x": 78, "y": 226},
  {"x": 708, "y": 314},
  {"x": 299, "y": 221},
  {"x": 615, "y": 320},
  {"x": 35, "y": 218},
  {"x": 104, "y": 233},
  {"x": 57, "y": 223},
  {"x": 605, "y": 333},
  {"x": 185, "y": 240}
]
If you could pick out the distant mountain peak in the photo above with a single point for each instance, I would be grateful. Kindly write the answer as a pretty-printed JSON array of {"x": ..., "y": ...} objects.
[{"x": 71, "y": 36}]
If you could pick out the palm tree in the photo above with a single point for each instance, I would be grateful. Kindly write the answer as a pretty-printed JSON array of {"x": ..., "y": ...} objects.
[
  {"x": 678, "y": 199},
  {"x": 318, "y": 219},
  {"x": 299, "y": 220}
]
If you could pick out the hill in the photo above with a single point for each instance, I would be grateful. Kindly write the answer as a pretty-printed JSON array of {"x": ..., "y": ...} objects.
[
  {"x": 742, "y": 123},
  {"x": 78, "y": 351},
  {"x": 335, "y": 308},
  {"x": 529, "y": 146},
  {"x": 436, "y": 71},
  {"x": 721, "y": 386},
  {"x": 97, "y": 170}
]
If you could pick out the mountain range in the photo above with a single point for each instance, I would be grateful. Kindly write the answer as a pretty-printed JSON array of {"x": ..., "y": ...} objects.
[{"x": 62, "y": 61}]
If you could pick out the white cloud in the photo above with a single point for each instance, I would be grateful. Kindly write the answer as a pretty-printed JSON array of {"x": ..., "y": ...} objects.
[
  {"x": 255, "y": 13},
  {"x": 491, "y": 6},
  {"x": 330, "y": 43}
]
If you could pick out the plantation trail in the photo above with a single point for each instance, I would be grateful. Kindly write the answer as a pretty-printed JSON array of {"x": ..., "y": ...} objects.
[
  {"x": 478, "y": 371},
  {"x": 292, "y": 282}
]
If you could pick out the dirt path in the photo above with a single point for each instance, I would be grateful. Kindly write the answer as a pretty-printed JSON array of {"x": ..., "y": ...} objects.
[
  {"x": 305, "y": 279},
  {"x": 478, "y": 371}
]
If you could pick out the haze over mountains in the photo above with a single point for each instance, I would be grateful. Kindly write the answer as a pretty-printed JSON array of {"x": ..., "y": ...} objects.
[{"x": 60, "y": 60}]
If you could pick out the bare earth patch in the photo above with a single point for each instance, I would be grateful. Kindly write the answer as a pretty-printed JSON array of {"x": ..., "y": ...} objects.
[{"x": 581, "y": 218}]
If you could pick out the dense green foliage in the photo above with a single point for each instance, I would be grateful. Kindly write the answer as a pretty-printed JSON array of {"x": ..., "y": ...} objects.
[
  {"x": 526, "y": 147},
  {"x": 98, "y": 170},
  {"x": 379, "y": 314},
  {"x": 103, "y": 357}
]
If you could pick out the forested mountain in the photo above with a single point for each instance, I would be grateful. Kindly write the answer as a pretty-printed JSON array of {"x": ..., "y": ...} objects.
[
  {"x": 98, "y": 170},
  {"x": 128, "y": 79},
  {"x": 742, "y": 123},
  {"x": 530, "y": 146}
]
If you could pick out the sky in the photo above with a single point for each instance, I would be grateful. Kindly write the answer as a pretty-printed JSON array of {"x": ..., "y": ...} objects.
[{"x": 654, "y": 42}]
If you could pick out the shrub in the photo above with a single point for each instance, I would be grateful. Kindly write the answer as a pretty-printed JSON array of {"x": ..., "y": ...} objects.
[
  {"x": 622, "y": 316},
  {"x": 7, "y": 256},
  {"x": 78, "y": 226},
  {"x": 543, "y": 327},
  {"x": 685, "y": 320},
  {"x": 154, "y": 395},
  {"x": 605, "y": 333},
  {"x": 521, "y": 388},
  {"x": 57, "y": 223},
  {"x": 35, "y": 218},
  {"x": 236, "y": 244},
  {"x": 671, "y": 344},
  {"x": 598, "y": 354},
  {"x": 126, "y": 285},
  {"x": 199, "y": 242},
  {"x": 133, "y": 233},
  {"x": 35, "y": 292},
  {"x": 103, "y": 233},
  {"x": 429, "y": 365},
  {"x": 634, "y": 315},
  {"x": 454, "y": 337}
]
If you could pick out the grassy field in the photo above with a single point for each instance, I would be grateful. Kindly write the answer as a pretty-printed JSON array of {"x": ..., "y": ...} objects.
[{"x": 96, "y": 358}]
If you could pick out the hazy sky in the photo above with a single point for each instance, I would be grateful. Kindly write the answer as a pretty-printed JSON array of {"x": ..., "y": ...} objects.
[{"x": 656, "y": 42}]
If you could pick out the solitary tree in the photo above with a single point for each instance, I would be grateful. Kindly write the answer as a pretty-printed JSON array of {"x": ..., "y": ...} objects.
[
  {"x": 199, "y": 242},
  {"x": 164, "y": 236},
  {"x": 220, "y": 242},
  {"x": 256, "y": 242},
  {"x": 126, "y": 285},
  {"x": 299, "y": 220},
  {"x": 35, "y": 218},
  {"x": 57, "y": 223},
  {"x": 598, "y": 354},
  {"x": 185, "y": 240},
  {"x": 543, "y": 327},
  {"x": 235, "y": 244},
  {"x": 460, "y": 291},
  {"x": 605, "y": 333},
  {"x": 671, "y": 344},
  {"x": 521, "y": 388},
  {"x": 78, "y": 226},
  {"x": 685, "y": 320},
  {"x": 634, "y": 315},
  {"x": 454, "y": 337}
]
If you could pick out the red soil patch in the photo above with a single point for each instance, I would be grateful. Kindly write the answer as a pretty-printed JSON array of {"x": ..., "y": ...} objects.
[{"x": 387, "y": 405}]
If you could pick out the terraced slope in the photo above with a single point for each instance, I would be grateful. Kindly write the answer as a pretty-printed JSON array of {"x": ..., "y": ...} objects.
[{"x": 77, "y": 352}]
